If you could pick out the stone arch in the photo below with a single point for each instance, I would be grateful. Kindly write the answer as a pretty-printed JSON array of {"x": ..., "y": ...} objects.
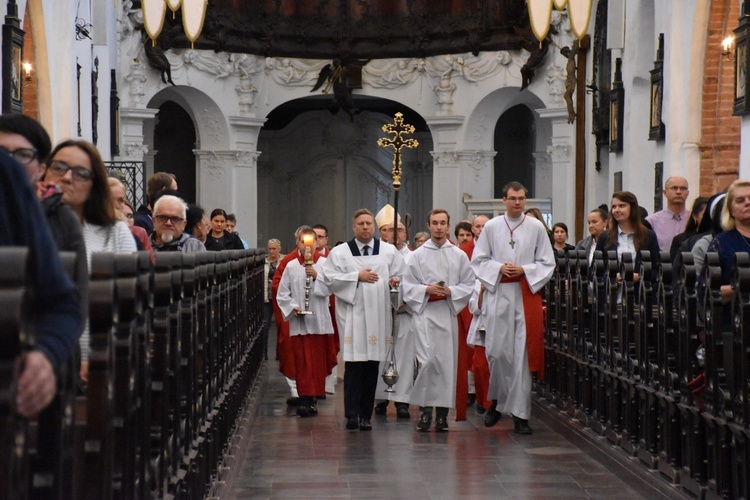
[{"x": 212, "y": 133}]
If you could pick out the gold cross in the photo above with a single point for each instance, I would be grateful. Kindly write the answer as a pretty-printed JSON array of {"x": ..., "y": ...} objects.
[{"x": 398, "y": 129}]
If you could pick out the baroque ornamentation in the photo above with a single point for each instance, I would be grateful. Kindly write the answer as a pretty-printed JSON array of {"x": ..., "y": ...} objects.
[
  {"x": 556, "y": 80},
  {"x": 136, "y": 78},
  {"x": 136, "y": 151},
  {"x": 445, "y": 158},
  {"x": 246, "y": 95},
  {"x": 558, "y": 152}
]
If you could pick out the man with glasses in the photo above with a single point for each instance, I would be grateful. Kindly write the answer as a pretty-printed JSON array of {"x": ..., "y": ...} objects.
[
  {"x": 169, "y": 219},
  {"x": 513, "y": 260},
  {"x": 671, "y": 221}
]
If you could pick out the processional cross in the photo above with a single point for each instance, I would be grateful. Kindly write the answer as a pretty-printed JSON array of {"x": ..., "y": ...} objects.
[{"x": 398, "y": 129}]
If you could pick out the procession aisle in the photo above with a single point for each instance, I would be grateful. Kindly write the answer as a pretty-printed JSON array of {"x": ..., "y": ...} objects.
[{"x": 283, "y": 456}]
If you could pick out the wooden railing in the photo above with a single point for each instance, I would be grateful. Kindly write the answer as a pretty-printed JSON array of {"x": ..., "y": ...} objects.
[
  {"x": 621, "y": 360},
  {"x": 174, "y": 349}
]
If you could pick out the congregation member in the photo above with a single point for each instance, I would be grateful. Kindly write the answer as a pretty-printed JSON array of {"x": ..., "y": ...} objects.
[
  {"x": 273, "y": 258},
  {"x": 231, "y": 225},
  {"x": 303, "y": 301},
  {"x": 360, "y": 273},
  {"x": 671, "y": 221},
  {"x": 154, "y": 185},
  {"x": 77, "y": 168},
  {"x": 691, "y": 229},
  {"x": 626, "y": 232},
  {"x": 560, "y": 237},
  {"x": 169, "y": 217},
  {"x": 437, "y": 286},
  {"x": 53, "y": 316},
  {"x": 596, "y": 222},
  {"x": 513, "y": 260},
  {"x": 219, "y": 238},
  {"x": 123, "y": 208},
  {"x": 197, "y": 224}
]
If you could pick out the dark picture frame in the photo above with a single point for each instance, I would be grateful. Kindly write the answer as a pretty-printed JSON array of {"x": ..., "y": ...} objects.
[
  {"x": 12, "y": 53},
  {"x": 741, "y": 68},
  {"x": 658, "y": 186},
  {"x": 616, "y": 113},
  {"x": 656, "y": 128}
]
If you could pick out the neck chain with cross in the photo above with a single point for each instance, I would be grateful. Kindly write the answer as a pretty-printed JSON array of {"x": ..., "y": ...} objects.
[{"x": 511, "y": 242}]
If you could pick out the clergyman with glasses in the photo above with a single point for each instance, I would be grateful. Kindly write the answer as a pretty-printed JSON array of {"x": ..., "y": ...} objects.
[
  {"x": 513, "y": 260},
  {"x": 671, "y": 221},
  {"x": 169, "y": 217}
]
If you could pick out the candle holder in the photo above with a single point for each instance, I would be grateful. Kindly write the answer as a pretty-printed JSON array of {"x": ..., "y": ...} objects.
[{"x": 308, "y": 240}]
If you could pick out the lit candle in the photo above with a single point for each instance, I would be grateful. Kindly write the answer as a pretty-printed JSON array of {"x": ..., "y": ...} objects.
[
  {"x": 308, "y": 242},
  {"x": 727, "y": 43}
]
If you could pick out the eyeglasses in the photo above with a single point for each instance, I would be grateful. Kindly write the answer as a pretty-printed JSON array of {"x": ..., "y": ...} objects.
[
  {"x": 61, "y": 168},
  {"x": 162, "y": 219},
  {"x": 514, "y": 199},
  {"x": 24, "y": 156}
]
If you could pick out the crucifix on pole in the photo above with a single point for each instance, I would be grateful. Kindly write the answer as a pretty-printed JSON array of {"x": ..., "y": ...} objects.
[{"x": 398, "y": 142}]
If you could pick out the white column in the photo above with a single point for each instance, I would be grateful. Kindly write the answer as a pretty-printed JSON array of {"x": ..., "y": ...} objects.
[
  {"x": 132, "y": 134},
  {"x": 446, "y": 173},
  {"x": 562, "y": 158},
  {"x": 478, "y": 180}
]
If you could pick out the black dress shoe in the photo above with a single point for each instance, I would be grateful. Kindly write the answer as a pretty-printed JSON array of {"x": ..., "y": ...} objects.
[
  {"x": 292, "y": 401},
  {"x": 480, "y": 409},
  {"x": 472, "y": 399},
  {"x": 492, "y": 417},
  {"x": 441, "y": 424},
  {"x": 424, "y": 422},
  {"x": 364, "y": 424},
  {"x": 352, "y": 423},
  {"x": 521, "y": 426},
  {"x": 381, "y": 408},
  {"x": 402, "y": 412},
  {"x": 303, "y": 411},
  {"x": 312, "y": 410}
]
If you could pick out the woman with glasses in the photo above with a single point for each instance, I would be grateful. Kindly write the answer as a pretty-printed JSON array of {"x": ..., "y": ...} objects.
[
  {"x": 219, "y": 238},
  {"x": 77, "y": 168}
]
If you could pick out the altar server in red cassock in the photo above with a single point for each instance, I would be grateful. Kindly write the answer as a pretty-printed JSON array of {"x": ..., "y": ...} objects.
[
  {"x": 513, "y": 260},
  {"x": 311, "y": 335}
]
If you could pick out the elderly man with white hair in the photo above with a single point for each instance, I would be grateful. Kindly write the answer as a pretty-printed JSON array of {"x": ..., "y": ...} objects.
[{"x": 169, "y": 217}]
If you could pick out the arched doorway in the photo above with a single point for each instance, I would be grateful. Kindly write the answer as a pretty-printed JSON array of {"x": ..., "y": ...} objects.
[
  {"x": 515, "y": 142},
  {"x": 174, "y": 142},
  {"x": 316, "y": 167}
]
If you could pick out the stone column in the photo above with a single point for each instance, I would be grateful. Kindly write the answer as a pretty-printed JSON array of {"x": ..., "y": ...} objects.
[
  {"x": 132, "y": 133},
  {"x": 562, "y": 160},
  {"x": 446, "y": 174},
  {"x": 477, "y": 168}
]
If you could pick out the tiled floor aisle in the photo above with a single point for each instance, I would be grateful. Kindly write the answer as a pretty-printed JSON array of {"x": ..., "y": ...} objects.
[{"x": 284, "y": 456}]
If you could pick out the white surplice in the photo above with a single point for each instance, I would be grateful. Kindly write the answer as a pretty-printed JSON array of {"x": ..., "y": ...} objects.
[
  {"x": 403, "y": 344},
  {"x": 363, "y": 310},
  {"x": 291, "y": 294},
  {"x": 473, "y": 337},
  {"x": 436, "y": 323},
  {"x": 504, "y": 321}
]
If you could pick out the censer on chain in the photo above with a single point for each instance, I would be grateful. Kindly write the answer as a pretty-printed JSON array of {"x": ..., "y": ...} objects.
[{"x": 390, "y": 373}]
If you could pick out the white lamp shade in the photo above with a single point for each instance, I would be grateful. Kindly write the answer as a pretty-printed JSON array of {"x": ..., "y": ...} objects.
[
  {"x": 173, "y": 4},
  {"x": 193, "y": 15},
  {"x": 579, "y": 12},
  {"x": 540, "y": 14},
  {"x": 153, "y": 17},
  {"x": 559, "y": 4}
]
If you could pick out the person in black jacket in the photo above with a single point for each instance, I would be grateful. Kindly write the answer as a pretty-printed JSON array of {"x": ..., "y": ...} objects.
[
  {"x": 53, "y": 315},
  {"x": 626, "y": 231},
  {"x": 219, "y": 238}
]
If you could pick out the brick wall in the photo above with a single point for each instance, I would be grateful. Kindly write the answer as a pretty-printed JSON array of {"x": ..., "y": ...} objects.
[
  {"x": 720, "y": 131},
  {"x": 29, "y": 92}
]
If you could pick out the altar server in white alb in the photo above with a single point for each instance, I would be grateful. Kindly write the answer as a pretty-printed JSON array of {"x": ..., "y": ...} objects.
[
  {"x": 437, "y": 287},
  {"x": 513, "y": 260},
  {"x": 360, "y": 273}
]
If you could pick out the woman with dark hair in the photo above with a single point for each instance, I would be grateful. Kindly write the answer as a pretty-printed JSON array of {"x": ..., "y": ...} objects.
[
  {"x": 77, "y": 168},
  {"x": 626, "y": 232},
  {"x": 196, "y": 225},
  {"x": 596, "y": 222},
  {"x": 696, "y": 215},
  {"x": 219, "y": 238},
  {"x": 560, "y": 237}
]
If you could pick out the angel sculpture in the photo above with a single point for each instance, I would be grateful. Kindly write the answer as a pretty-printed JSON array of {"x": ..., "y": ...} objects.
[{"x": 343, "y": 78}]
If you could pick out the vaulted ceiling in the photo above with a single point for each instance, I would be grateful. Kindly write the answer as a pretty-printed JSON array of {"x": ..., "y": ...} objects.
[{"x": 357, "y": 29}]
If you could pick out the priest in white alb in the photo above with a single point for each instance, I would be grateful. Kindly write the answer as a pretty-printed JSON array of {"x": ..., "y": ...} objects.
[
  {"x": 359, "y": 274},
  {"x": 513, "y": 260},
  {"x": 436, "y": 288}
]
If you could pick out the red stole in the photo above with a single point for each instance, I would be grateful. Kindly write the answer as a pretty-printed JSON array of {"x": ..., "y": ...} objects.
[{"x": 534, "y": 315}]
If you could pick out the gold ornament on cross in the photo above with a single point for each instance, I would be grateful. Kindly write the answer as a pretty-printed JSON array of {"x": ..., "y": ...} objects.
[{"x": 398, "y": 129}]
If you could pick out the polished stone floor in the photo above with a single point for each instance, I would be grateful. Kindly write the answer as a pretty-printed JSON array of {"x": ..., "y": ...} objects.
[{"x": 279, "y": 455}]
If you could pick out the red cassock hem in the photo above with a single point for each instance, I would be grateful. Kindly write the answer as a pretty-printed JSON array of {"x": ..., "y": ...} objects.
[{"x": 311, "y": 361}]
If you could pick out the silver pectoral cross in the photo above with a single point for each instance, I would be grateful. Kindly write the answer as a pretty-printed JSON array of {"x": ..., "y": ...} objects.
[{"x": 512, "y": 244}]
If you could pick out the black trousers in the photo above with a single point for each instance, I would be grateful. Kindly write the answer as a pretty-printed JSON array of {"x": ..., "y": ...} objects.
[{"x": 360, "y": 380}]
